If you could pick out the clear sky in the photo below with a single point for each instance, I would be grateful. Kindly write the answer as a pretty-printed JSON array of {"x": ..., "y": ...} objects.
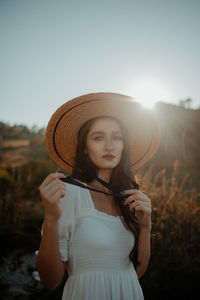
[{"x": 53, "y": 50}]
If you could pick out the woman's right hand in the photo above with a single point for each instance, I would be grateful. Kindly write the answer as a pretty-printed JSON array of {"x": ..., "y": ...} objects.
[{"x": 51, "y": 190}]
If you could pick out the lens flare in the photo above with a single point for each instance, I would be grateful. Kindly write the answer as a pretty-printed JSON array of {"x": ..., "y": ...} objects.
[{"x": 148, "y": 91}]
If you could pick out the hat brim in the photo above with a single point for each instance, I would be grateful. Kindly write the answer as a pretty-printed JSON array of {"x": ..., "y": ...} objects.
[{"x": 62, "y": 130}]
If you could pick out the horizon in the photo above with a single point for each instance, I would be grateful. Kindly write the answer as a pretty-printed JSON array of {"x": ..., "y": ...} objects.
[{"x": 35, "y": 127}]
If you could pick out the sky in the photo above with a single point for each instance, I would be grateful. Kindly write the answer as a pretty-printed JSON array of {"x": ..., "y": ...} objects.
[{"x": 54, "y": 50}]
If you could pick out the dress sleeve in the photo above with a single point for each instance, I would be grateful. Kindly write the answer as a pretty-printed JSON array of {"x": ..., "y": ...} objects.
[{"x": 67, "y": 221}]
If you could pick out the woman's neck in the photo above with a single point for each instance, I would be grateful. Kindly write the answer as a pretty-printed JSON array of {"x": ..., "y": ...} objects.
[{"x": 104, "y": 175}]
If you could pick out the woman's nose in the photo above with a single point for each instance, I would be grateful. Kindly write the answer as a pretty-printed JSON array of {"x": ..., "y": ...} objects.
[{"x": 109, "y": 144}]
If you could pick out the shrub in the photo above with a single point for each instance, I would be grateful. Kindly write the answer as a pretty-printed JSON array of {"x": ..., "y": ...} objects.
[{"x": 174, "y": 269}]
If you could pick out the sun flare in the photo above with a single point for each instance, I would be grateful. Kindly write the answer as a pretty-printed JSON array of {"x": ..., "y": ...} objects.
[{"x": 148, "y": 91}]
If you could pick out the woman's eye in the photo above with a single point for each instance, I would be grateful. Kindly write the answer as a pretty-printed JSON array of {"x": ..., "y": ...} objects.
[
  {"x": 98, "y": 138},
  {"x": 117, "y": 137}
]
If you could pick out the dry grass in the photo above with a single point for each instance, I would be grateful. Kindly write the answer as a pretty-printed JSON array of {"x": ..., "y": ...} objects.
[
  {"x": 174, "y": 269},
  {"x": 15, "y": 143}
]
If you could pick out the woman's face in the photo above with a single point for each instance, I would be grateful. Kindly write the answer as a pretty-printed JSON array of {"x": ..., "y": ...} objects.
[{"x": 104, "y": 143}]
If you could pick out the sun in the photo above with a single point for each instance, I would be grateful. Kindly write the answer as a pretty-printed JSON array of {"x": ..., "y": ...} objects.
[{"x": 148, "y": 91}]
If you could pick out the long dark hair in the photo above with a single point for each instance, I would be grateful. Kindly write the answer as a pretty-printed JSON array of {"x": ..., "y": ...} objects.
[{"x": 86, "y": 171}]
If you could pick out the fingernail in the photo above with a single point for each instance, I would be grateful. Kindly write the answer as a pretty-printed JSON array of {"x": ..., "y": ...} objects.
[{"x": 61, "y": 173}]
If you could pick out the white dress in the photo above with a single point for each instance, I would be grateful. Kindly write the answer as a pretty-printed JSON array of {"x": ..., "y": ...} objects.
[{"x": 96, "y": 246}]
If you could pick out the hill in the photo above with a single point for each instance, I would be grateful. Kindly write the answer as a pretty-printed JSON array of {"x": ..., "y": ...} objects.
[{"x": 180, "y": 140}]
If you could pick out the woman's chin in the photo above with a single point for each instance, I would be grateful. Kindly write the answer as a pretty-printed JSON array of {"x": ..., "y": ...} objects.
[{"x": 108, "y": 165}]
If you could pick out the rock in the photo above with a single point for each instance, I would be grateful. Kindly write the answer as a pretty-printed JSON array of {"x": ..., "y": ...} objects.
[
  {"x": 19, "y": 279},
  {"x": 36, "y": 275}
]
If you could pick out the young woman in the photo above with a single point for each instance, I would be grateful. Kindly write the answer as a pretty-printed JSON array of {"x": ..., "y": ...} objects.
[{"x": 98, "y": 228}]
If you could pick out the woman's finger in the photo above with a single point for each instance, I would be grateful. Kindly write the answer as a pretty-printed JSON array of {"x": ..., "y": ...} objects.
[
  {"x": 139, "y": 197},
  {"x": 48, "y": 194},
  {"x": 50, "y": 178},
  {"x": 129, "y": 192},
  {"x": 58, "y": 194},
  {"x": 52, "y": 185},
  {"x": 142, "y": 209},
  {"x": 139, "y": 203},
  {"x": 133, "y": 192}
]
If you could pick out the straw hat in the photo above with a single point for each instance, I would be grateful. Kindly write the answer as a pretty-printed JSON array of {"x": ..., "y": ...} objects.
[{"x": 63, "y": 127}]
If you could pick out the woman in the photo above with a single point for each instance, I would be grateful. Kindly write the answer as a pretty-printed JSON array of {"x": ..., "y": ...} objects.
[{"x": 102, "y": 235}]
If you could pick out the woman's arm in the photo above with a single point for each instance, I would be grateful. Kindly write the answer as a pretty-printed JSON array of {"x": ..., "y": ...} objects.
[
  {"x": 141, "y": 204},
  {"x": 143, "y": 250},
  {"x": 50, "y": 266}
]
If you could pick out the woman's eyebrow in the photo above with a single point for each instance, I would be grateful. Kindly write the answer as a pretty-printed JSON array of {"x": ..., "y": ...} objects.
[{"x": 102, "y": 132}]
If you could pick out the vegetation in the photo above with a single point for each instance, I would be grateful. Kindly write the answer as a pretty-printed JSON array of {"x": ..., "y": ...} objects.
[
  {"x": 170, "y": 179},
  {"x": 174, "y": 270}
]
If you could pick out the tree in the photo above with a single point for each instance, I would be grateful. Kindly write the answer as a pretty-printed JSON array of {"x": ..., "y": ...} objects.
[{"x": 185, "y": 103}]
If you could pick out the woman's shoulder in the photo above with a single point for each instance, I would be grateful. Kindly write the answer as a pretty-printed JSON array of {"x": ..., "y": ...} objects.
[
  {"x": 74, "y": 196},
  {"x": 75, "y": 188}
]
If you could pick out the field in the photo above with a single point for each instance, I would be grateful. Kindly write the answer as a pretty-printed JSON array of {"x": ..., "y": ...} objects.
[
  {"x": 174, "y": 269},
  {"x": 170, "y": 179}
]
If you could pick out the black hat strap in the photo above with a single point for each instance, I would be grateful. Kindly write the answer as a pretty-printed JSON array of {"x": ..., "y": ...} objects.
[{"x": 115, "y": 190}]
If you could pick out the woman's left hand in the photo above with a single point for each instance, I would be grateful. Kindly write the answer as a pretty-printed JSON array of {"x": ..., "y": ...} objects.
[{"x": 142, "y": 205}]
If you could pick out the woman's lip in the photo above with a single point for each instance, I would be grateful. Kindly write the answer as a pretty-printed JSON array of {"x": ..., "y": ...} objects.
[{"x": 109, "y": 157}]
